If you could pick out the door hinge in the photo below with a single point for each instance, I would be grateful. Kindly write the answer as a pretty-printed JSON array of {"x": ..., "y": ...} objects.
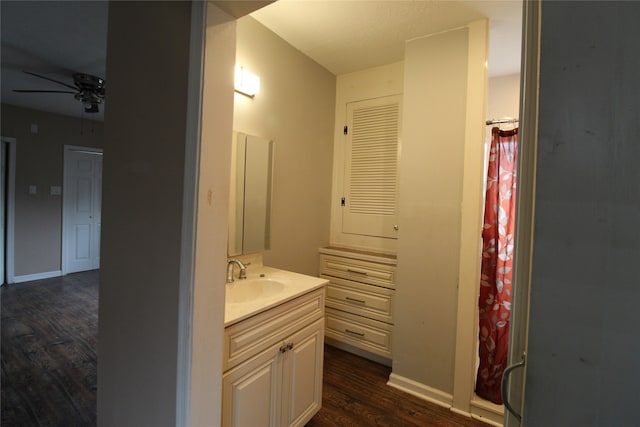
[
  {"x": 342, "y": 201},
  {"x": 346, "y": 130}
]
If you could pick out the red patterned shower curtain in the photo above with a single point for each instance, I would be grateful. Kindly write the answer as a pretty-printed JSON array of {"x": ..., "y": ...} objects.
[{"x": 497, "y": 263}]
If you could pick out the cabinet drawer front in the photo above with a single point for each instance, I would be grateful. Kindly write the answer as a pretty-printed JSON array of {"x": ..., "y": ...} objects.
[
  {"x": 265, "y": 329},
  {"x": 360, "y": 271},
  {"x": 365, "y": 302},
  {"x": 371, "y": 336}
]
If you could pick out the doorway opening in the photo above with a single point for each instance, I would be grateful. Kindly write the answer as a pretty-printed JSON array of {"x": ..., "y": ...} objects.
[{"x": 7, "y": 212}]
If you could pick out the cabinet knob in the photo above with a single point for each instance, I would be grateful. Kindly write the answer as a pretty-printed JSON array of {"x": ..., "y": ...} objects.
[
  {"x": 286, "y": 347},
  {"x": 395, "y": 227}
]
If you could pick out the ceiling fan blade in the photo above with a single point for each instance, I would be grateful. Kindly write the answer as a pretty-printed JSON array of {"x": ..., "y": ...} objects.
[
  {"x": 50, "y": 79},
  {"x": 42, "y": 91}
]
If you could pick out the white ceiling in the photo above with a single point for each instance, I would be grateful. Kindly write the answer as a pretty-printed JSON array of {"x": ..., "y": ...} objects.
[
  {"x": 346, "y": 36},
  {"x": 58, "y": 38}
]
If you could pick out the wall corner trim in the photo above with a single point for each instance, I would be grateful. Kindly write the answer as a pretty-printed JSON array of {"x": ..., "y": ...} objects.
[
  {"x": 420, "y": 390},
  {"x": 37, "y": 276}
]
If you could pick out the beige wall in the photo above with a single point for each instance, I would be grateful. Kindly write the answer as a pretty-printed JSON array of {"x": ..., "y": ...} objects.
[
  {"x": 295, "y": 109},
  {"x": 504, "y": 96},
  {"x": 39, "y": 162},
  {"x": 431, "y": 195},
  {"x": 145, "y": 128},
  {"x": 207, "y": 315},
  {"x": 431, "y": 170}
]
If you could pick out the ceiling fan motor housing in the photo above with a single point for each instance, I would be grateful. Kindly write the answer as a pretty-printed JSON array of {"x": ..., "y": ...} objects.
[{"x": 91, "y": 91}]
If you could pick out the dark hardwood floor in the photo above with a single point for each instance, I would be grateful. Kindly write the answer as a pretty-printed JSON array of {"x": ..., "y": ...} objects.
[
  {"x": 355, "y": 393},
  {"x": 48, "y": 346},
  {"x": 49, "y": 337}
]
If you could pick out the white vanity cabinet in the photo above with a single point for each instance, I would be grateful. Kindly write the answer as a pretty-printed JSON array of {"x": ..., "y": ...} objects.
[
  {"x": 273, "y": 365},
  {"x": 359, "y": 302}
]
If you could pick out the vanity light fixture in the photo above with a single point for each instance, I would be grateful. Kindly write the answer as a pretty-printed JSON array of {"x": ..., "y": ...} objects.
[{"x": 246, "y": 83}]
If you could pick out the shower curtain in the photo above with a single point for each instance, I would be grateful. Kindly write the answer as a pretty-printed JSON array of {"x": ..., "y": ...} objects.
[{"x": 497, "y": 263}]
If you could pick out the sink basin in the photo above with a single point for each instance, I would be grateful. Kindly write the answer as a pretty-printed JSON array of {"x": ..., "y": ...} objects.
[
  {"x": 264, "y": 288},
  {"x": 252, "y": 289}
]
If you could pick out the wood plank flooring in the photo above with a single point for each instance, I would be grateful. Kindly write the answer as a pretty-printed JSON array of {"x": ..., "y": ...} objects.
[
  {"x": 48, "y": 351},
  {"x": 355, "y": 393},
  {"x": 49, "y": 335}
]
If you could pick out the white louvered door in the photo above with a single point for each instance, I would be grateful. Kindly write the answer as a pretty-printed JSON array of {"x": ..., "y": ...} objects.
[{"x": 371, "y": 167}]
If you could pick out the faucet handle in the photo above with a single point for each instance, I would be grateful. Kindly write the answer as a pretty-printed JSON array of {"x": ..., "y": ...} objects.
[{"x": 243, "y": 271}]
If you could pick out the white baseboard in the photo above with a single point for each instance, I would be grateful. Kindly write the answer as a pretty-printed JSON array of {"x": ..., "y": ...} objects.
[
  {"x": 420, "y": 390},
  {"x": 460, "y": 412},
  {"x": 481, "y": 410},
  {"x": 487, "y": 412},
  {"x": 37, "y": 276}
]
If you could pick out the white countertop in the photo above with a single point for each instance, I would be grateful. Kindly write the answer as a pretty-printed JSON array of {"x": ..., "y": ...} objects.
[{"x": 294, "y": 285}]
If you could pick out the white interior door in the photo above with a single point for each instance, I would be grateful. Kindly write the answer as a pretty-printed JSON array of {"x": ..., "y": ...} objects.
[{"x": 82, "y": 194}]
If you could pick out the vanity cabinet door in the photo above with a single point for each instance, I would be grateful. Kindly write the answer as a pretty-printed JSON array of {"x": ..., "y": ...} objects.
[
  {"x": 251, "y": 391},
  {"x": 281, "y": 385},
  {"x": 302, "y": 394}
]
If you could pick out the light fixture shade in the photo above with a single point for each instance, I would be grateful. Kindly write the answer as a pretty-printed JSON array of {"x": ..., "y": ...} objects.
[{"x": 246, "y": 83}]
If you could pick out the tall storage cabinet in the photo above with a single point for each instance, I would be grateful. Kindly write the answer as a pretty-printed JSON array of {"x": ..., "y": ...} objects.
[{"x": 359, "y": 301}]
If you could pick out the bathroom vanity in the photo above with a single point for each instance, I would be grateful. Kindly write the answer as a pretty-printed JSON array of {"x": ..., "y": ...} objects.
[
  {"x": 273, "y": 349},
  {"x": 274, "y": 319}
]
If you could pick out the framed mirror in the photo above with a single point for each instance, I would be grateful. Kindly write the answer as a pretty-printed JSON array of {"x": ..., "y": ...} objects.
[{"x": 250, "y": 196}]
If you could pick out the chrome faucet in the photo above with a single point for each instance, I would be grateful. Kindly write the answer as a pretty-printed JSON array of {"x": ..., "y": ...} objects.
[{"x": 243, "y": 270}]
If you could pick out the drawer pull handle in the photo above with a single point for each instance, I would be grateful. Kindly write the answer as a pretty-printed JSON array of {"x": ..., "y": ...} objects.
[
  {"x": 354, "y": 333},
  {"x": 350, "y": 270},
  {"x": 359, "y": 301}
]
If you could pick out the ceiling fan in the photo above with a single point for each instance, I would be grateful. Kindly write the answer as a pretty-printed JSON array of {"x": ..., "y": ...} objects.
[{"x": 87, "y": 89}]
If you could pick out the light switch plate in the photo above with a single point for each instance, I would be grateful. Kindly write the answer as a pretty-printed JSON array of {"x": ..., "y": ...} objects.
[
  {"x": 56, "y": 190},
  {"x": 33, "y": 190}
]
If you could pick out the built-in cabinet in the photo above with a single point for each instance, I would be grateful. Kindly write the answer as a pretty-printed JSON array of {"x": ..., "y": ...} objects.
[
  {"x": 359, "y": 301},
  {"x": 437, "y": 187},
  {"x": 273, "y": 365},
  {"x": 369, "y": 200}
]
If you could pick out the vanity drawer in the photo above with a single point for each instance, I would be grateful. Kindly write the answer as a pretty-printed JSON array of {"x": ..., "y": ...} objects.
[
  {"x": 358, "y": 270},
  {"x": 251, "y": 336},
  {"x": 367, "y": 334},
  {"x": 369, "y": 301}
]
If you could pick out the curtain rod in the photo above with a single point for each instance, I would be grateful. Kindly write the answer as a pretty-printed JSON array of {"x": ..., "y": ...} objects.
[{"x": 495, "y": 122}]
